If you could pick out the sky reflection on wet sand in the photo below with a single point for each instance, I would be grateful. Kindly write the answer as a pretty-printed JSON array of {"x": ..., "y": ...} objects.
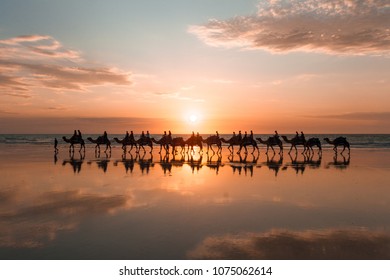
[{"x": 165, "y": 208}]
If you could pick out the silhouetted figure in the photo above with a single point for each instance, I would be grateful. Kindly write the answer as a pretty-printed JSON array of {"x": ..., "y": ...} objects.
[
  {"x": 55, "y": 145},
  {"x": 147, "y": 134},
  {"x": 303, "y": 136},
  {"x": 276, "y": 135},
  {"x": 251, "y": 136},
  {"x": 217, "y": 134},
  {"x": 79, "y": 135},
  {"x": 142, "y": 135}
]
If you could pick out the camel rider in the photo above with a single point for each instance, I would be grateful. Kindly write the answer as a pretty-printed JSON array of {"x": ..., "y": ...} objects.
[
  {"x": 79, "y": 135},
  {"x": 105, "y": 137},
  {"x": 303, "y": 136},
  {"x": 132, "y": 135},
  {"x": 142, "y": 135},
  {"x": 245, "y": 136},
  {"x": 251, "y": 137},
  {"x": 217, "y": 134},
  {"x": 147, "y": 134},
  {"x": 276, "y": 135},
  {"x": 74, "y": 137},
  {"x": 234, "y": 134},
  {"x": 296, "y": 135},
  {"x": 239, "y": 135}
]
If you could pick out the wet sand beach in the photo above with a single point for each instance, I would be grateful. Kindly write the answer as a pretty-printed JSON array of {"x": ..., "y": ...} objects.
[{"x": 152, "y": 206}]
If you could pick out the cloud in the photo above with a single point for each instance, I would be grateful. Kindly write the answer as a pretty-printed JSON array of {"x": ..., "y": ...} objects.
[
  {"x": 31, "y": 61},
  {"x": 358, "y": 116},
  {"x": 330, "y": 26},
  {"x": 333, "y": 244},
  {"x": 38, "y": 224}
]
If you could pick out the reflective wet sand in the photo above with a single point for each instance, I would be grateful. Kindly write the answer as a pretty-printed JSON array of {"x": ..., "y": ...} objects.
[{"x": 223, "y": 206}]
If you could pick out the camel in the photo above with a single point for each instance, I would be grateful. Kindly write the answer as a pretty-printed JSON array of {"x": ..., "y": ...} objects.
[
  {"x": 73, "y": 141},
  {"x": 194, "y": 141},
  {"x": 145, "y": 141},
  {"x": 127, "y": 141},
  {"x": 101, "y": 140},
  {"x": 213, "y": 140},
  {"x": 296, "y": 141},
  {"x": 339, "y": 141},
  {"x": 234, "y": 141},
  {"x": 313, "y": 142},
  {"x": 248, "y": 141},
  {"x": 270, "y": 142},
  {"x": 178, "y": 142},
  {"x": 163, "y": 142}
]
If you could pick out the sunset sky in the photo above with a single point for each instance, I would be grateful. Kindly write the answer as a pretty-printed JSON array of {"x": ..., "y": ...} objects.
[{"x": 226, "y": 65}]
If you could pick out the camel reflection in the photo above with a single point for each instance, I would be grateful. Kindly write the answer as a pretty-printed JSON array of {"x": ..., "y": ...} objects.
[
  {"x": 165, "y": 164},
  {"x": 145, "y": 163},
  {"x": 76, "y": 163},
  {"x": 339, "y": 161},
  {"x": 127, "y": 163},
  {"x": 299, "y": 165},
  {"x": 273, "y": 164},
  {"x": 214, "y": 162},
  {"x": 195, "y": 162},
  {"x": 243, "y": 163}
]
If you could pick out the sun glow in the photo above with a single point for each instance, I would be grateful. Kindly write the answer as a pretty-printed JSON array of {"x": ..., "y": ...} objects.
[{"x": 193, "y": 118}]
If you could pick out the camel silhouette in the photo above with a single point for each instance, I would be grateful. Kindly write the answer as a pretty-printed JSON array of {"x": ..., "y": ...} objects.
[
  {"x": 164, "y": 142},
  {"x": 235, "y": 140},
  {"x": 248, "y": 142},
  {"x": 101, "y": 140},
  {"x": 193, "y": 141},
  {"x": 313, "y": 142},
  {"x": 73, "y": 141},
  {"x": 128, "y": 140},
  {"x": 213, "y": 140},
  {"x": 339, "y": 141},
  {"x": 145, "y": 141},
  {"x": 296, "y": 141},
  {"x": 270, "y": 142}
]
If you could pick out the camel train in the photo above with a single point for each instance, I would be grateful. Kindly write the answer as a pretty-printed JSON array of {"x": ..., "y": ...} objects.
[{"x": 213, "y": 142}]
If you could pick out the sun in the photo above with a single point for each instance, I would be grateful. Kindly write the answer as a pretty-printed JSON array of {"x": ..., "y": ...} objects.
[{"x": 193, "y": 118}]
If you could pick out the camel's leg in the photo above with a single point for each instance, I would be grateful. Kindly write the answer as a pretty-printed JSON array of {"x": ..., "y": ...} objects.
[{"x": 290, "y": 149}]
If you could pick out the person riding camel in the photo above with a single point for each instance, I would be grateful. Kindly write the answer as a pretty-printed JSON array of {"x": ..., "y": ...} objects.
[{"x": 303, "y": 136}]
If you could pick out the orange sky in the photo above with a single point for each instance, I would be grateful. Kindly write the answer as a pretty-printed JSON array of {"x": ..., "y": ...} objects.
[{"x": 250, "y": 66}]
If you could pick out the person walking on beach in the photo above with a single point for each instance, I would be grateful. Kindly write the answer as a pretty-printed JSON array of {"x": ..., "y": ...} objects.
[{"x": 55, "y": 145}]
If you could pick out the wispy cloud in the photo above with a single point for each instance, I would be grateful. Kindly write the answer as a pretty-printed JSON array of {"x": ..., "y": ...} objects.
[
  {"x": 358, "y": 116},
  {"x": 330, "y": 26},
  {"x": 41, "y": 61}
]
